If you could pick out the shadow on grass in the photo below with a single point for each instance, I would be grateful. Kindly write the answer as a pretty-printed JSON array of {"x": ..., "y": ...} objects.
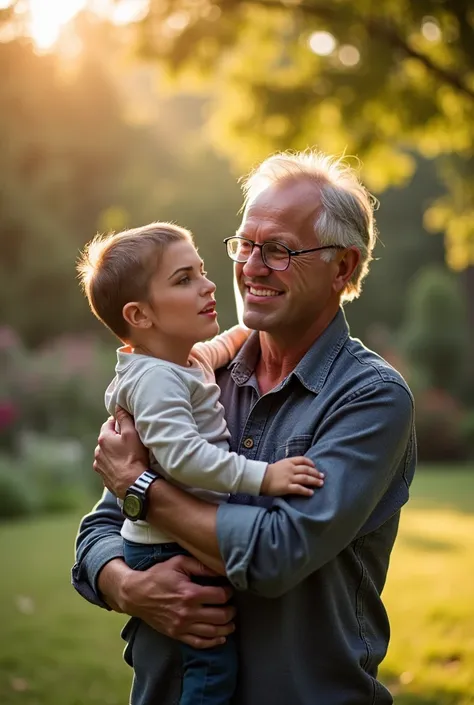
[
  {"x": 461, "y": 505},
  {"x": 423, "y": 543},
  {"x": 433, "y": 698},
  {"x": 444, "y": 487}
]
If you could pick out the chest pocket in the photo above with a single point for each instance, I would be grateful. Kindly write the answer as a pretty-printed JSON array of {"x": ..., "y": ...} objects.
[{"x": 297, "y": 445}]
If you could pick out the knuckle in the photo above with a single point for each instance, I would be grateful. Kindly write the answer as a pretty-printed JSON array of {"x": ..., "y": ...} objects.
[
  {"x": 188, "y": 596},
  {"x": 176, "y": 623},
  {"x": 182, "y": 614}
]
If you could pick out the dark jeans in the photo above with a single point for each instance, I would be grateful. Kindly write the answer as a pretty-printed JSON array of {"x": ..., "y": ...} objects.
[{"x": 209, "y": 675}]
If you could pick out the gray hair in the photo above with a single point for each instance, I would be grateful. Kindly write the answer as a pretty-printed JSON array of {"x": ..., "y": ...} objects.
[{"x": 346, "y": 214}]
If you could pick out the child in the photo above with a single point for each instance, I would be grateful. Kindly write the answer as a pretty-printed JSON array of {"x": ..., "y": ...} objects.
[{"x": 148, "y": 286}]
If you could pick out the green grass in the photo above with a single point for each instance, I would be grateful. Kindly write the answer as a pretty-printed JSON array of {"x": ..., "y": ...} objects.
[
  {"x": 430, "y": 593},
  {"x": 58, "y": 650}
]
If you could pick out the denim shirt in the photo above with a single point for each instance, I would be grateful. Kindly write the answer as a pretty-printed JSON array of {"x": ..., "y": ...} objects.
[{"x": 308, "y": 572}]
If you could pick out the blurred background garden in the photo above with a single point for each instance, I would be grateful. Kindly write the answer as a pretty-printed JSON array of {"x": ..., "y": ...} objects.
[{"x": 115, "y": 113}]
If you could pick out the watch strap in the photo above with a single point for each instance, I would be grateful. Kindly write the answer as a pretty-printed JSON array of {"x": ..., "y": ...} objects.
[{"x": 143, "y": 481}]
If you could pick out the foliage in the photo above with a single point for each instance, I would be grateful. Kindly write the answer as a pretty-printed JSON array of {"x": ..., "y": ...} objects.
[
  {"x": 434, "y": 335},
  {"x": 440, "y": 427},
  {"x": 56, "y": 389},
  {"x": 43, "y": 479},
  {"x": 396, "y": 77},
  {"x": 115, "y": 149},
  {"x": 77, "y": 160},
  {"x": 17, "y": 497}
]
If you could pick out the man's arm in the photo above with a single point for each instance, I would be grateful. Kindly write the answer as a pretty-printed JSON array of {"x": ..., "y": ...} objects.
[
  {"x": 163, "y": 596},
  {"x": 365, "y": 448},
  {"x": 98, "y": 542}
]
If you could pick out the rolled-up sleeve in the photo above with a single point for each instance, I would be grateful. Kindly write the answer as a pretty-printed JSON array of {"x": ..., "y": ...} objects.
[
  {"x": 365, "y": 447},
  {"x": 98, "y": 542}
]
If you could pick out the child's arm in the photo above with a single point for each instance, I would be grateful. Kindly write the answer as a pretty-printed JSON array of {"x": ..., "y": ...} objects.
[
  {"x": 161, "y": 405},
  {"x": 221, "y": 349}
]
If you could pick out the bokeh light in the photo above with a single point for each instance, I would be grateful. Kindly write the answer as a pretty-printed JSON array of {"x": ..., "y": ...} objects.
[
  {"x": 430, "y": 29},
  {"x": 322, "y": 43},
  {"x": 349, "y": 55}
]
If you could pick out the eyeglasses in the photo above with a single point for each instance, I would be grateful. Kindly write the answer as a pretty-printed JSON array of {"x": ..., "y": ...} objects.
[{"x": 275, "y": 255}]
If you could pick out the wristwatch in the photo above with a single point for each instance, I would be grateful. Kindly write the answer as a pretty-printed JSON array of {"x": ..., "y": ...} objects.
[{"x": 135, "y": 504}]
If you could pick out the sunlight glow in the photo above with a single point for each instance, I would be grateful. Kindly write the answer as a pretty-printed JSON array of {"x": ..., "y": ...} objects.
[{"x": 47, "y": 17}]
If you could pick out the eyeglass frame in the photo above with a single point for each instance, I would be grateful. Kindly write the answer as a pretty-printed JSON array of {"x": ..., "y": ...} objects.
[{"x": 291, "y": 253}]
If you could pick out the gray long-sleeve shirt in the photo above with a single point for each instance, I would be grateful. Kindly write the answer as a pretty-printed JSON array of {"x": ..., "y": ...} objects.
[
  {"x": 180, "y": 420},
  {"x": 309, "y": 573}
]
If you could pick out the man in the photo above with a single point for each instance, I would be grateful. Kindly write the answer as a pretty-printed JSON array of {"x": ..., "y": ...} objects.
[{"x": 307, "y": 573}]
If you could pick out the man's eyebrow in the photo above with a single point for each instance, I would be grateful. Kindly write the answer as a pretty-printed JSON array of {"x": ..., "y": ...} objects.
[{"x": 284, "y": 239}]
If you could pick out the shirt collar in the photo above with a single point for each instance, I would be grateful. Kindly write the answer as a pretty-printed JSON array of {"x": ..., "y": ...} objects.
[{"x": 312, "y": 370}]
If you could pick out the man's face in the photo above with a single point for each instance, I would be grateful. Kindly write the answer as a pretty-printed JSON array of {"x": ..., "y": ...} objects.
[{"x": 291, "y": 300}]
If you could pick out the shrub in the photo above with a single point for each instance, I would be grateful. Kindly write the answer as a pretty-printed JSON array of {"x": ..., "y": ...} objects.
[
  {"x": 439, "y": 429},
  {"x": 48, "y": 475},
  {"x": 467, "y": 430},
  {"x": 17, "y": 497},
  {"x": 435, "y": 334}
]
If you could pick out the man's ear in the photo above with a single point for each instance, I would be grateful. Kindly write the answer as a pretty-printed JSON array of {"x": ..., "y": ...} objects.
[
  {"x": 346, "y": 266},
  {"x": 136, "y": 315}
]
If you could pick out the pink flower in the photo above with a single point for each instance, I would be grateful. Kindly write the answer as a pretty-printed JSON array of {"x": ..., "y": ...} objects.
[
  {"x": 8, "y": 338},
  {"x": 9, "y": 413}
]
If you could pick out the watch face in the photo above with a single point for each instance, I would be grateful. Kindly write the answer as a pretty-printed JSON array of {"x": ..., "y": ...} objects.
[{"x": 132, "y": 506}]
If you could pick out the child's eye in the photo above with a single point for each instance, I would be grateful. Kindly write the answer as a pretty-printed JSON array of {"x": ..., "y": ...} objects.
[{"x": 184, "y": 280}]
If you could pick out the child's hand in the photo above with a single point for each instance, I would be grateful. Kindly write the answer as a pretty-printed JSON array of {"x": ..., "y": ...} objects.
[{"x": 291, "y": 476}]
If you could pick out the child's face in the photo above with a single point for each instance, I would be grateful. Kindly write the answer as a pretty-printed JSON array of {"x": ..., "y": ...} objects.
[{"x": 181, "y": 301}]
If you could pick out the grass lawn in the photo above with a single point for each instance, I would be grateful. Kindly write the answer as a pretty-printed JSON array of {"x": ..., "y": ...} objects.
[{"x": 58, "y": 650}]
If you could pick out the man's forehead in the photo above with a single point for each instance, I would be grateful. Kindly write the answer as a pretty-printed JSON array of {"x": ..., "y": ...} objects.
[{"x": 291, "y": 203}]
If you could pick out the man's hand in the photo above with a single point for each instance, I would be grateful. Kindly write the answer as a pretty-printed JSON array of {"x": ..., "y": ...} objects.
[
  {"x": 120, "y": 457},
  {"x": 166, "y": 599},
  {"x": 291, "y": 476}
]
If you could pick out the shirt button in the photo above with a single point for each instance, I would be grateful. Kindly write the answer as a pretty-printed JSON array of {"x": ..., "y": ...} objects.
[{"x": 248, "y": 443}]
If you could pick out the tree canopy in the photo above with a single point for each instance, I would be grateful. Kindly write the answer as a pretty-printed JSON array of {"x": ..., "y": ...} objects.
[{"x": 381, "y": 80}]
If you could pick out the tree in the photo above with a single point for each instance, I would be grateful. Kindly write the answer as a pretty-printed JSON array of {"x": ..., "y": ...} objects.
[
  {"x": 380, "y": 80},
  {"x": 434, "y": 335}
]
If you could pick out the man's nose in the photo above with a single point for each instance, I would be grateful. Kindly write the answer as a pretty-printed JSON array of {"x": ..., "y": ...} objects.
[{"x": 255, "y": 266}]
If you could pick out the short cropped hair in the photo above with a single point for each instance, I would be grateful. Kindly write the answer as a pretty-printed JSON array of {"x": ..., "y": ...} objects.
[
  {"x": 116, "y": 269},
  {"x": 346, "y": 215}
]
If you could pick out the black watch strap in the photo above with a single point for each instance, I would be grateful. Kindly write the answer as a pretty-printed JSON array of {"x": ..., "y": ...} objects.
[{"x": 135, "y": 504}]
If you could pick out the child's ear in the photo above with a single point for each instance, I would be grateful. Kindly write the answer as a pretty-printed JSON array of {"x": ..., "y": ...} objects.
[{"x": 135, "y": 314}]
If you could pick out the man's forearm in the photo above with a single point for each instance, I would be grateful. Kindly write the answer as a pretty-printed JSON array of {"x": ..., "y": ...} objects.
[
  {"x": 109, "y": 583},
  {"x": 190, "y": 521}
]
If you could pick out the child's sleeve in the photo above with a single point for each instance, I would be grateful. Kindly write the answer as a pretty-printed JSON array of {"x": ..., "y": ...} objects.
[
  {"x": 160, "y": 402},
  {"x": 221, "y": 349}
]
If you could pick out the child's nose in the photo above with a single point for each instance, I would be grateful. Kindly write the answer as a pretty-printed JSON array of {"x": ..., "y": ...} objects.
[{"x": 209, "y": 286}]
